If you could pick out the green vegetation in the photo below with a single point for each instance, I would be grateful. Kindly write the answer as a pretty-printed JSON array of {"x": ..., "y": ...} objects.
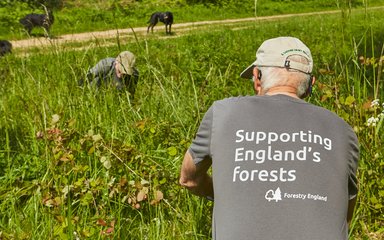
[
  {"x": 74, "y": 16},
  {"x": 75, "y": 162}
]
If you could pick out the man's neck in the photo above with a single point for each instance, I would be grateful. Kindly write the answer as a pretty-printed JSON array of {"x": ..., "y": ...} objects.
[{"x": 285, "y": 90}]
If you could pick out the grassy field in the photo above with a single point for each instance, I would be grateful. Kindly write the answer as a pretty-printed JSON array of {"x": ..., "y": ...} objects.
[
  {"x": 76, "y": 163},
  {"x": 74, "y": 16}
]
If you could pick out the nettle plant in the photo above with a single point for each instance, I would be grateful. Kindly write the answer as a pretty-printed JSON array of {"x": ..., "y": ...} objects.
[
  {"x": 369, "y": 213},
  {"x": 90, "y": 172},
  {"x": 370, "y": 133},
  {"x": 354, "y": 94}
]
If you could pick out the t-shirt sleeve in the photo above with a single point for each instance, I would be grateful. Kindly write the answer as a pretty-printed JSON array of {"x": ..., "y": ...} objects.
[
  {"x": 353, "y": 164},
  {"x": 102, "y": 67},
  {"x": 96, "y": 74},
  {"x": 201, "y": 145}
]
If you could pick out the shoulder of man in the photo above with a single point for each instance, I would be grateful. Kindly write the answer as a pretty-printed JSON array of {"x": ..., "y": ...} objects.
[
  {"x": 105, "y": 63},
  {"x": 109, "y": 60},
  {"x": 237, "y": 99}
]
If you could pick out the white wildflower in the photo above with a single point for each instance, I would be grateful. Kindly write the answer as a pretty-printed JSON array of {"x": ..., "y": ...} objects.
[
  {"x": 371, "y": 122},
  {"x": 375, "y": 103},
  {"x": 76, "y": 235}
]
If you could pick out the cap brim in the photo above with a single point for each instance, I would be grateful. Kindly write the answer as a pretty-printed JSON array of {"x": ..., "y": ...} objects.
[
  {"x": 126, "y": 70},
  {"x": 248, "y": 72}
]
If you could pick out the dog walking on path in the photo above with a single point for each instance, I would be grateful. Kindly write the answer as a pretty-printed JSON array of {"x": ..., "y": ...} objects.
[
  {"x": 164, "y": 17},
  {"x": 38, "y": 20}
]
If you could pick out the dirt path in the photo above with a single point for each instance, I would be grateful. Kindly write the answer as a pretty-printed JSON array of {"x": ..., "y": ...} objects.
[{"x": 179, "y": 28}]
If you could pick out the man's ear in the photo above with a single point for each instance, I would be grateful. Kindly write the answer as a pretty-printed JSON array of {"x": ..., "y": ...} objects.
[
  {"x": 257, "y": 81},
  {"x": 313, "y": 80}
]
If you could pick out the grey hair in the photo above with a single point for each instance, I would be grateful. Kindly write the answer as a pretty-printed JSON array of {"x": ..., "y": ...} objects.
[{"x": 279, "y": 76}]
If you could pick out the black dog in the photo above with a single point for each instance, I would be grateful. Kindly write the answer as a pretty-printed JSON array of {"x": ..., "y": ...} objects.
[
  {"x": 38, "y": 20},
  {"x": 164, "y": 17},
  {"x": 5, "y": 47}
]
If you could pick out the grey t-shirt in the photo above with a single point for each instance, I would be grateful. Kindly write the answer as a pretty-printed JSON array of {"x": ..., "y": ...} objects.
[{"x": 282, "y": 168}]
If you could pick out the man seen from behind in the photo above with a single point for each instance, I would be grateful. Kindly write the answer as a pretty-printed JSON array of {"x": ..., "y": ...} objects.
[{"x": 282, "y": 168}]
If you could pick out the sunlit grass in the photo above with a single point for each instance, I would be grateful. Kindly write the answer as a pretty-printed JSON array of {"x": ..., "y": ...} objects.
[{"x": 85, "y": 16}]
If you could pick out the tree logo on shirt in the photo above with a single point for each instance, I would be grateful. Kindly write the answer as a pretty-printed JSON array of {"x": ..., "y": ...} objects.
[{"x": 273, "y": 195}]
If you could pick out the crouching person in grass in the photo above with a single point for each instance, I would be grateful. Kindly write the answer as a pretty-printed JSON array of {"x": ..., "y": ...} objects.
[
  {"x": 119, "y": 72},
  {"x": 282, "y": 168}
]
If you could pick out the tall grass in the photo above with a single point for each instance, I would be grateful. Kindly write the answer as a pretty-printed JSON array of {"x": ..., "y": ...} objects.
[{"x": 93, "y": 164}]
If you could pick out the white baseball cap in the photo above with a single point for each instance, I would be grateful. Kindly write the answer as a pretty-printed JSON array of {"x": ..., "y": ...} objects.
[
  {"x": 275, "y": 52},
  {"x": 126, "y": 62}
]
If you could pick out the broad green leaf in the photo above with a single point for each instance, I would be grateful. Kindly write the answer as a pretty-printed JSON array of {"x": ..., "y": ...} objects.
[
  {"x": 163, "y": 180},
  {"x": 378, "y": 206},
  {"x": 91, "y": 150},
  {"x": 381, "y": 192},
  {"x": 349, "y": 100},
  {"x": 172, "y": 151},
  {"x": 86, "y": 199},
  {"x": 71, "y": 122},
  {"x": 373, "y": 200}
]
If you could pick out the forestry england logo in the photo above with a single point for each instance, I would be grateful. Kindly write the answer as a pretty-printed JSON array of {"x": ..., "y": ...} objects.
[
  {"x": 273, "y": 195},
  {"x": 277, "y": 195}
]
